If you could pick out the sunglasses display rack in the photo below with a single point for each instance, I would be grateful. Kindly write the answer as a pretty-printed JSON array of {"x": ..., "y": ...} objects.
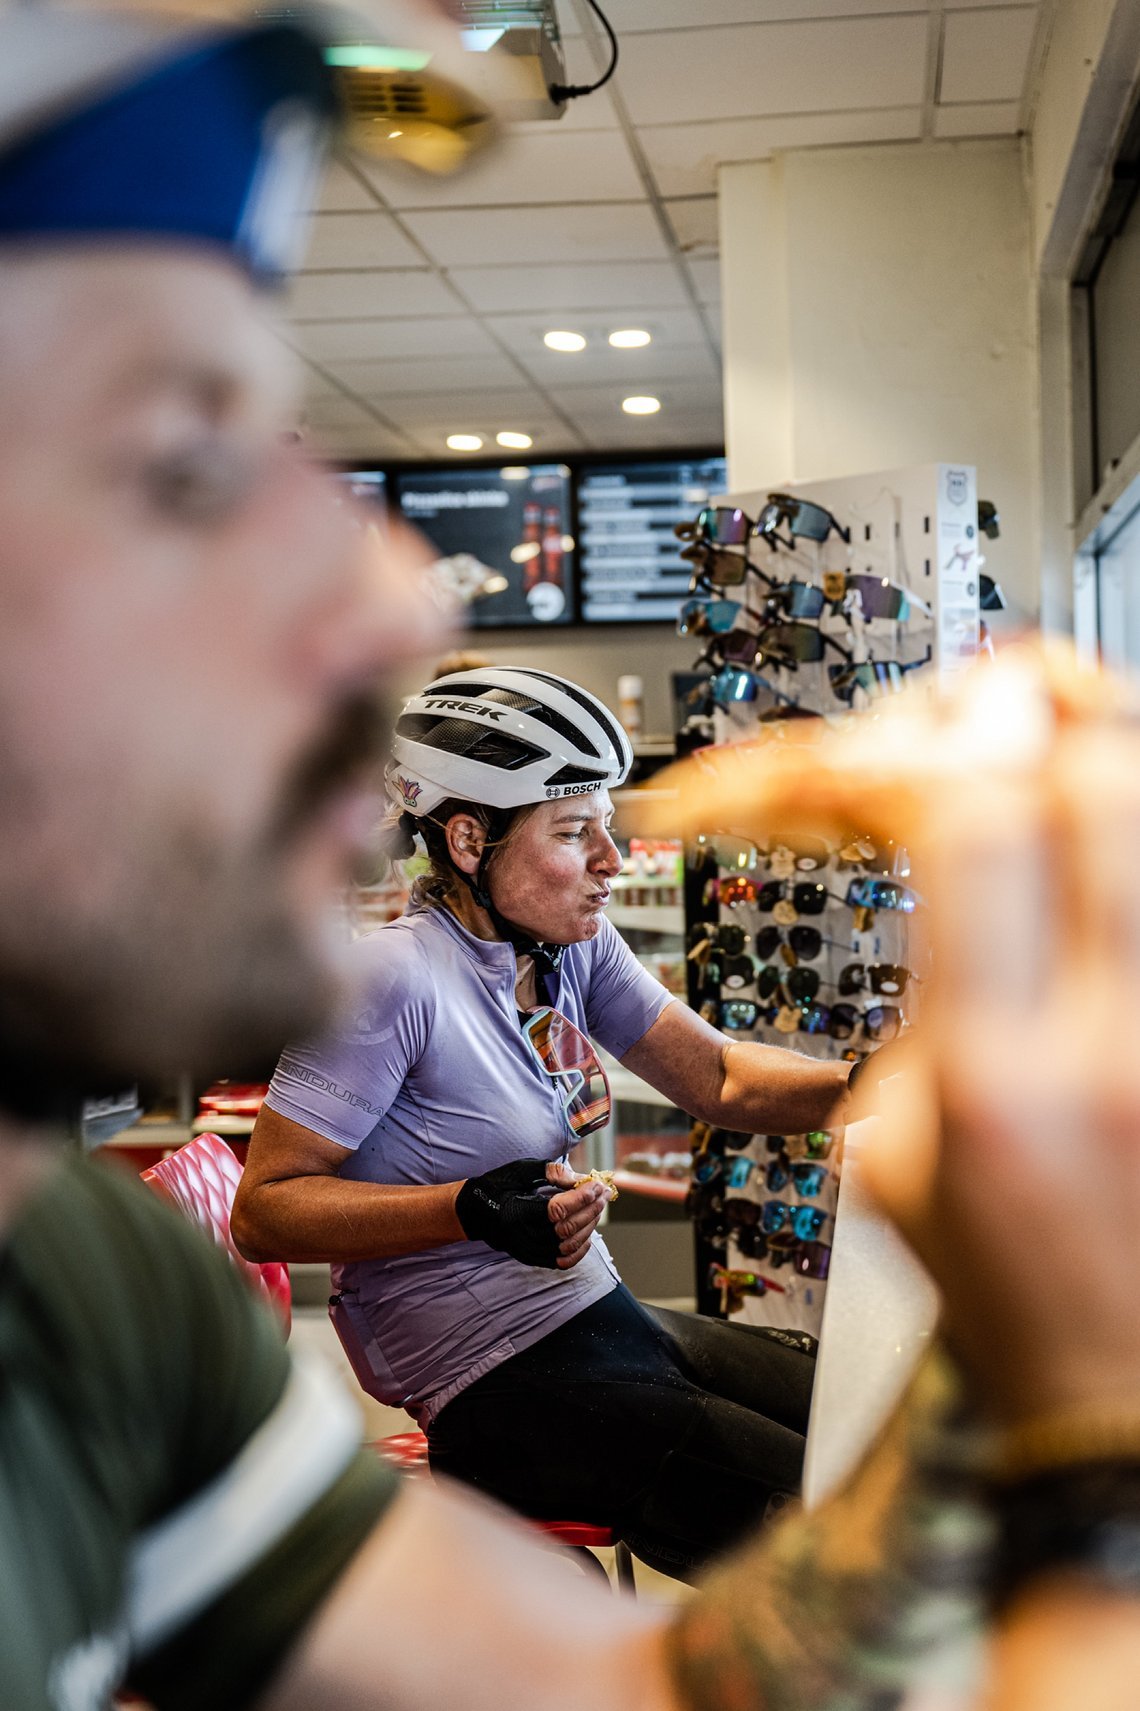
[{"x": 809, "y": 605}]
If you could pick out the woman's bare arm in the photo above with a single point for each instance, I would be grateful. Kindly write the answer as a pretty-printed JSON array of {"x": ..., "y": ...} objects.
[{"x": 737, "y": 1085}]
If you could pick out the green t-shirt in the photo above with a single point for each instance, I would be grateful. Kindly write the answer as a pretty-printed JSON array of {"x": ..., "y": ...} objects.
[{"x": 176, "y": 1495}]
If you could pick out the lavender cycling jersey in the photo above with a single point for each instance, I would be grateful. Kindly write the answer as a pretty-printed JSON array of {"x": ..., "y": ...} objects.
[{"x": 433, "y": 1082}]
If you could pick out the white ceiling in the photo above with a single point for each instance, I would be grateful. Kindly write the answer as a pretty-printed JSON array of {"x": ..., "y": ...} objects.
[{"x": 422, "y": 305}]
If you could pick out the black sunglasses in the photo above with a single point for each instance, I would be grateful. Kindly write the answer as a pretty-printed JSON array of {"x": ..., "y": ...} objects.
[{"x": 803, "y": 518}]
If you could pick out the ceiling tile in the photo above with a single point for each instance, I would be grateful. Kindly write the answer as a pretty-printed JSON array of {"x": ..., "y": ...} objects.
[
  {"x": 694, "y": 219},
  {"x": 638, "y": 15},
  {"x": 427, "y": 374},
  {"x": 334, "y": 412},
  {"x": 598, "y": 400},
  {"x": 632, "y": 371},
  {"x": 462, "y": 411},
  {"x": 629, "y": 433},
  {"x": 986, "y": 54},
  {"x": 624, "y": 231},
  {"x": 589, "y": 113},
  {"x": 684, "y": 158},
  {"x": 358, "y": 240},
  {"x": 978, "y": 119},
  {"x": 337, "y": 343},
  {"x": 342, "y": 193},
  {"x": 363, "y": 296},
  {"x": 776, "y": 68},
  {"x": 564, "y": 287},
  {"x": 555, "y": 165},
  {"x": 370, "y": 441}
]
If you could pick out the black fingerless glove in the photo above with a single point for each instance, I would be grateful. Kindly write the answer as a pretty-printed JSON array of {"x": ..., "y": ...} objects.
[{"x": 508, "y": 1209}]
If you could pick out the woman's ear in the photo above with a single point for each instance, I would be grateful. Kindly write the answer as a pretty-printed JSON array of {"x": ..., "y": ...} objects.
[{"x": 466, "y": 837}]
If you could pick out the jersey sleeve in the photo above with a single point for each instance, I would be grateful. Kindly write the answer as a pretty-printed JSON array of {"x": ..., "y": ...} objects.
[
  {"x": 342, "y": 1084},
  {"x": 624, "y": 999},
  {"x": 234, "y": 1474}
]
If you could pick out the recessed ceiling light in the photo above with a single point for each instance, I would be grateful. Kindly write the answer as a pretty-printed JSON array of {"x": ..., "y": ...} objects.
[
  {"x": 564, "y": 341},
  {"x": 392, "y": 135},
  {"x": 524, "y": 553},
  {"x": 465, "y": 442},
  {"x": 515, "y": 442},
  {"x": 641, "y": 406},
  {"x": 630, "y": 338}
]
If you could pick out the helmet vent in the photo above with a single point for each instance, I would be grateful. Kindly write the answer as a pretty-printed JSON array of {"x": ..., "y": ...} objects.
[
  {"x": 526, "y": 704},
  {"x": 588, "y": 705},
  {"x": 473, "y": 742},
  {"x": 575, "y": 775}
]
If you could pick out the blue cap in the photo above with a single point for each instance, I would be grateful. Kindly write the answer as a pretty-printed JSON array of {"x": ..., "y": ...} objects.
[{"x": 219, "y": 142}]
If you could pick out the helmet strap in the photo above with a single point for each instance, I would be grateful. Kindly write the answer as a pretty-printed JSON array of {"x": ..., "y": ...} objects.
[{"x": 547, "y": 958}]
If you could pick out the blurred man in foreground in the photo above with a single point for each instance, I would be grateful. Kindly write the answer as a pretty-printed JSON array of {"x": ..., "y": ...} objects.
[{"x": 191, "y": 635}]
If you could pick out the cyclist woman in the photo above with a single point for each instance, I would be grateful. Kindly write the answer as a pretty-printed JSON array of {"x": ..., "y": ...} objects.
[{"x": 421, "y": 1149}]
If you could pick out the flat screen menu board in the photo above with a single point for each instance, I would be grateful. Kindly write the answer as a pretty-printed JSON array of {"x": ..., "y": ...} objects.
[
  {"x": 630, "y": 560},
  {"x": 515, "y": 521}
]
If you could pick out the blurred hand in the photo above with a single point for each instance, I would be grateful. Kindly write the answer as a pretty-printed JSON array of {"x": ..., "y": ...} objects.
[
  {"x": 575, "y": 1213},
  {"x": 1011, "y": 1153}
]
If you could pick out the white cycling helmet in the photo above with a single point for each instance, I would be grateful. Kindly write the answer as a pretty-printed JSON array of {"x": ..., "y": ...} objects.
[{"x": 504, "y": 737}]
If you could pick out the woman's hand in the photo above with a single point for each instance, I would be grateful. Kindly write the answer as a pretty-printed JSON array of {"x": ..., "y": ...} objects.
[{"x": 574, "y": 1213}]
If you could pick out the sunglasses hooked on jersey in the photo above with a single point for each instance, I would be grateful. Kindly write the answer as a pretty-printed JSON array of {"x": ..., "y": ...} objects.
[{"x": 564, "y": 1054}]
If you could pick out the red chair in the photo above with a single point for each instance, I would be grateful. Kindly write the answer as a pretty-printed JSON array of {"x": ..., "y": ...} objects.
[
  {"x": 201, "y": 1179},
  {"x": 409, "y": 1452}
]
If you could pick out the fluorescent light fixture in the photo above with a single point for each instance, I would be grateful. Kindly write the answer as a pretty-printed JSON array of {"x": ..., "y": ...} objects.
[
  {"x": 557, "y": 341},
  {"x": 641, "y": 406},
  {"x": 515, "y": 472},
  {"x": 524, "y": 553},
  {"x": 630, "y": 338},
  {"x": 361, "y": 56},
  {"x": 465, "y": 442},
  {"x": 515, "y": 442}
]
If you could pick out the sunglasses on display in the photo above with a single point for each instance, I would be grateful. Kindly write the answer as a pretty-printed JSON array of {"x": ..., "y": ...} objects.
[
  {"x": 803, "y": 519},
  {"x": 881, "y": 977},
  {"x": 806, "y": 1179},
  {"x": 872, "y": 676},
  {"x": 716, "y": 935},
  {"x": 808, "y": 898},
  {"x": 842, "y": 1021},
  {"x": 708, "y": 1167},
  {"x": 805, "y": 943},
  {"x": 719, "y": 525},
  {"x": 707, "y": 617},
  {"x": 564, "y": 1054},
  {"x": 797, "y": 643},
  {"x": 990, "y": 596},
  {"x": 738, "y": 1015},
  {"x": 803, "y": 1222},
  {"x": 879, "y": 597},
  {"x": 881, "y": 894},
  {"x": 737, "y": 972}
]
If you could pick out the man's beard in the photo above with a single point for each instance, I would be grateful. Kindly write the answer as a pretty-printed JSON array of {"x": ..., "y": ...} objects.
[{"x": 194, "y": 960}]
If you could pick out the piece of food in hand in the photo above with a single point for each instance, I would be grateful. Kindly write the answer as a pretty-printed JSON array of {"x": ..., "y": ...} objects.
[{"x": 605, "y": 1177}]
